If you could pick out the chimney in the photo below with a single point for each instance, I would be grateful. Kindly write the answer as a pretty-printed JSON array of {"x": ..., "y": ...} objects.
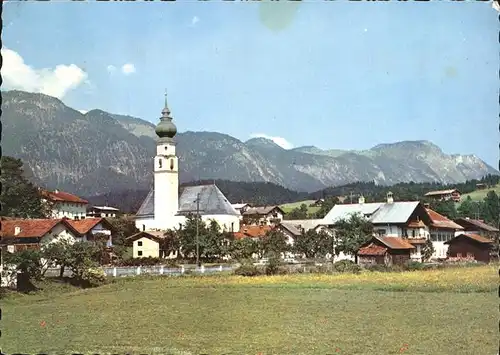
[
  {"x": 389, "y": 197},
  {"x": 56, "y": 191},
  {"x": 361, "y": 199},
  {"x": 17, "y": 230}
]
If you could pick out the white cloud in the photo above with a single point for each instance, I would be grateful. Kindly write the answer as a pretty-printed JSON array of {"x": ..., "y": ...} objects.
[
  {"x": 195, "y": 20},
  {"x": 282, "y": 142},
  {"x": 83, "y": 111},
  {"x": 50, "y": 81},
  {"x": 128, "y": 68},
  {"x": 111, "y": 68}
]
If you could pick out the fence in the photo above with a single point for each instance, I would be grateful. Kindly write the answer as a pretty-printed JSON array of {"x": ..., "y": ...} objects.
[{"x": 123, "y": 271}]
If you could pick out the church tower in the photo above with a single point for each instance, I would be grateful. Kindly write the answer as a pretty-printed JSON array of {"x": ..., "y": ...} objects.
[{"x": 166, "y": 171}]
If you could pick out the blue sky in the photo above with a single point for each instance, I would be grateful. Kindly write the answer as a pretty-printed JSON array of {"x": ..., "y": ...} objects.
[{"x": 331, "y": 74}]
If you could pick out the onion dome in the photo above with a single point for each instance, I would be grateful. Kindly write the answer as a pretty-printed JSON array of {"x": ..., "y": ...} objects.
[{"x": 166, "y": 128}]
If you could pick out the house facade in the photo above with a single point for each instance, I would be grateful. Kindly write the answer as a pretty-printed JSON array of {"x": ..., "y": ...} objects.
[
  {"x": 408, "y": 220},
  {"x": 64, "y": 204},
  {"x": 477, "y": 226},
  {"x": 102, "y": 211},
  {"x": 386, "y": 251},
  {"x": 470, "y": 246},
  {"x": 146, "y": 244},
  {"x": 263, "y": 215},
  {"x": 444, "y": 195},
  {"x": 22, "y": 234},
  {"x": 89, "y": 228}
]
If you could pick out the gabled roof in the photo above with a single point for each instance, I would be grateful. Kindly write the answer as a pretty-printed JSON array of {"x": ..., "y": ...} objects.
[
  {"x": 395, "y": 212},
  {"x": 238, "y": 206},
  {"x": 474, "y": 237},
  {"x": 31, "y": 228},
  {"x": 60, "y": 196},
  {"x": 339, "y": 212},
  {"x": 372, "y": 249},
  {"x": 212, "y": 201},
  {"x": 477, "y": 223},
  {"x": 252, "y": 231},
  {"x": 83, "y": 226},
  {"x": 294, "y": 226},
  {"x": 395, "y": 243},
  {"x": 440, "y": 221},
  {"x": 440, "y": 192},
  {"x": 153, "y": 235},
  {"x": 261, "y": 210}
]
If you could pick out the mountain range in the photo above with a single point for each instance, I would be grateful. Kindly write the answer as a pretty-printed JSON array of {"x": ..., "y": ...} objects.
[{"x": 99, "y": 152}]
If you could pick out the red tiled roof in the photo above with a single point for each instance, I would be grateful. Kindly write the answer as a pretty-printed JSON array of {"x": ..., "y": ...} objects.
[
  {"x": 252, "y": 231},
  {"x": 395, "y": 243},
  {"x": 61, "y": 196},
  {"x": 30, "y": 228},
  {"x": 372, "y": 249},
  {"x": 474, "y": 237},
  {"x": 440, "y": 221},
  {"x": 83, "y": 226}
]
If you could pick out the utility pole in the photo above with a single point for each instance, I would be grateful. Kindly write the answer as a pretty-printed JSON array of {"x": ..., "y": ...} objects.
[{"x": 197, "y": 230}]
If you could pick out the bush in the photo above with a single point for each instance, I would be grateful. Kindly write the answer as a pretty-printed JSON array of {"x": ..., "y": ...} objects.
[
  {"x": 347, "y": 266},
  {"x": 273, "y": 265},
  {"x": 93, "y": 277},
  {"x": 247, "y": 270}
]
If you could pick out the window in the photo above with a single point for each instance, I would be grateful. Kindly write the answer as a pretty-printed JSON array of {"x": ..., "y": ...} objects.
[
  {"x": 232, "y": 226},
  {"x": 139, "y": 243},
  {"x": 139, "y": 253},
  {"x": 381, "y": 232},
  {"x": 159, "y": 163},
  {"x": 413, "y": 233},
  {"x": 171, "y": 164},
  {"x": 143, "y": 227}
]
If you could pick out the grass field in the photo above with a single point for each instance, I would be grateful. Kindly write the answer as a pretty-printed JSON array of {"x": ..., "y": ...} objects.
[
  {"x": 479, "y": 195},
  {"x": 452, "y": 311},
  {"x": 288, "y": 207}
]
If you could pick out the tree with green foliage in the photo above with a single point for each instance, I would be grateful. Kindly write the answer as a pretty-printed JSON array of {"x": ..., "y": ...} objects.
[
  {"x": 20, "y": 198},
  {"x": 298, "y": 213},
  {"x": 427, "y": 250},
  {"x": 351, "y": 233},
  {"x": 313, "y": 244},
  {"x": 491, "y": 208},
  {"x": 445, "y": 208},
  {"x": 124, "y": 227},
  {"x": 28, "y": 262},
  {"x": 170, "y": 243},
  {"x": 82, "y": 257},
  {"x": 58, "y": 253},
  {"x": 273, "y": 242},
  {"x": 244, "y": 248}
]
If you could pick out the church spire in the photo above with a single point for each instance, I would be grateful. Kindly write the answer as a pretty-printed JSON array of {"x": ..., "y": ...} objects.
[{"x": 166, "y": 128}]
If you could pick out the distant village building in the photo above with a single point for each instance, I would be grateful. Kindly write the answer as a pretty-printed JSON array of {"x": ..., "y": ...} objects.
[
  {"x": 444, "y": 195},
  {"x": 264, "y": 215},
  {"x": 102, "y": 211},
  {"x": 146, "y": 244},
  {"x": 477, "y": 226},
  {"x": 386, "y": 251},
  {"x": 64, "y": 204},
  {"x": 254, "y": 232},
  {"x": 470, "y": 246},
  {"x": 318, "y": 203},
  {"x": 241, "y": 207},
  {"x": 408, "y": 220},
  {"x": 163, "y": 208}
]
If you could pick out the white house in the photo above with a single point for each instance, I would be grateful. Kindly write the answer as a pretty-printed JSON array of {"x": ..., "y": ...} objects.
[
  {"x": 409, "y": 220},
  {"x": 241, "y": 207},
  {"x": 88, "y": 228},
  {"x": 263, "y": 215},
  {"x": 102, "y": 211},
  {"x": 146, "y": 244},
  {"x": 163, "y": 208},
  {"x": 64, "y": 204}
]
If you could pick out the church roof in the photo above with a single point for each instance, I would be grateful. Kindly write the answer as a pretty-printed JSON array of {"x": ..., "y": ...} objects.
[{"x": 212, "y": 202}]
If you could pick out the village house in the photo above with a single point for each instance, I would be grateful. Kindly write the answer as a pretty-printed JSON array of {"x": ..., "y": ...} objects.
[
  {"x": 477, "y": 226},
  {"x": 89, "y": 228},
  {"x": 317, "y": 203},
  {"x": 441, "y": 230},
  {"x": 64, "y": 204},
  {"x": 386, "y": 251},
  {"x": 444, "y": 195},
  {"x": 252, "y": 231},
  {"x": 102, "y": 211},
  {"x": 409, "y": 220},
  {"x": 146, "y": 244},
  {"x": 240, "y": 207},
  {"x": 470, "y": 246},
  {"x": 164, "y": 208},
  {"x": 22, "y": 234},
  {"x": 264, "y": 215}
]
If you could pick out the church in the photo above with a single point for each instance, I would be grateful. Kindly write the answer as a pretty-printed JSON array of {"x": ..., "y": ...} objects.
[{"x": 163, "y": 208}]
